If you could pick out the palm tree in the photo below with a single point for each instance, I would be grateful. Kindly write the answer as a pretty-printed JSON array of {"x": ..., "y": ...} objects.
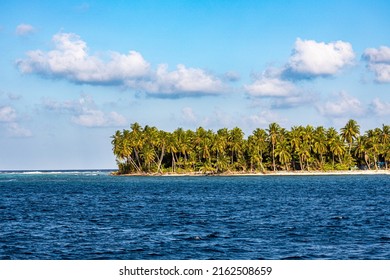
[
  {"x": 260, "y": 136},
  {"x": 161, "y": 143},
  {"x": 117, "y": 140},
  {"x": 384, "y": 139},
  {"x": 236, "y": 144},
  {"x": 191, "y": 152},
  {"x": 350, "y": 132},
  {"x": 148, "y": 155},
  {"x": 273, "y": 134},
  {"x": 282, "y": 151},
  {"x": 172, "y": 148},
  {"x": 331, "y": 139},
  {"x": 361, "y": 149},
  {"x": 304, "y": 155},
  {"x": 203, "y": 143},
  {"x": 182, "y": 142},
  {"x": 307, "y": 139},
  {"x": 319, "y": 144},
  {"x": 296, "y": 143},
  {"x": 220, "y": 141},
  {"x": 256, "y": 147},
  {"x": 222, "y": 163},
  {"x": 338, "y": 149},
  {"x": 151, "y": 150},
  {"x": 373, "y": 145},
  {"x": 136, "y": 141}
]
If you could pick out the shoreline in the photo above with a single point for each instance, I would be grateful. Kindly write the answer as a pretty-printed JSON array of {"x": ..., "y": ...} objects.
[{"x": 268, "y": 173}]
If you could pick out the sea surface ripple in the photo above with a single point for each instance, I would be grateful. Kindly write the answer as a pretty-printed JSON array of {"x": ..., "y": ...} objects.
[{"x": 92, "y": 215}]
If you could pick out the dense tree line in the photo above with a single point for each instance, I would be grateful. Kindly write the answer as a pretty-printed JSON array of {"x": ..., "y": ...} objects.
[{"x": 150, "y": 150}]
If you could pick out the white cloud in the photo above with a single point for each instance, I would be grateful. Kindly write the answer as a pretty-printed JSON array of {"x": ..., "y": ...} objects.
[
  {"x": 97, "y": 118},
  {"x": 378, "y": 61},
  {"x": 262, "y": 119},
  {"x": 7, "y": 114},
  {"x": 379, "y": 107},
  {"x": 310, "y": 59},
  {"x": 15, "y": 130},
  {"x": 85, "y": 112},
  {"x": 71, "y": 60},
  {"x": 270, "y": 84},
  {"x": 24, "y": 29},
  {"x": 382, "y": 72},
  {"x": 380, "y": 55},
  {"x": 270, "y": 87},
  {"x": 342, "y": 105},
  {"x": 183, "y": 81},
  {"x": 313, "y": 59},
  {"x": 282, "y": 93}
]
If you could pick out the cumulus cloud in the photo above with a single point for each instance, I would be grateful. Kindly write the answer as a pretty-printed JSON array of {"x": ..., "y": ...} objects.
[
  {"x": 24, "y": 29},
  {"x": 380, "y": 108},
  {"x": 182, "y": 81},
  {"x": 314, "y": 59},
  {"x": 283, "y": 93},
  {"x": 70, "y": 59},
  {"x": 310, "y": 59},
  {"x": 270, "y": 84},
  {"x": 270, "y": 87},
  {"x": 342, "y": 105},
  {"x": 380, "y": 55},
  {"x": 378, "y": 61},
  {"x": 85, "y": 112}
]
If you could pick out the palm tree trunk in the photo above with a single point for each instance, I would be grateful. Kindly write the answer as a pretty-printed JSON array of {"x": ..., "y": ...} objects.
[
  {"x": 160, "y": 159},
  {"x": 137, "y": 157},
  {"x": 130, "y": 159},
  {"x": 173, "y": 162},
  {"x": 273, "y": 156},
  {"x": 300, "y": 163},
  {"x": 366, "y": 160}
]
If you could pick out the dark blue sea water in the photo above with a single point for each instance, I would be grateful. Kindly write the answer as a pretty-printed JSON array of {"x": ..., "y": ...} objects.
[{"x": 91, "y": 215}]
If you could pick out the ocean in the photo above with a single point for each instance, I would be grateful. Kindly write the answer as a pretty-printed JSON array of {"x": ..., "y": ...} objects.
[{"x": 88, "y": 215}]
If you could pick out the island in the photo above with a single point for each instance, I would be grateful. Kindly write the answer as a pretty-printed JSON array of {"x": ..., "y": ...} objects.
[{"x": 275, "y": 150}]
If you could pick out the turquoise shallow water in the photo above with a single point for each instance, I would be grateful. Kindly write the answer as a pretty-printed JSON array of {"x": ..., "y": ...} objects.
[{"x": 91, "y": 215}]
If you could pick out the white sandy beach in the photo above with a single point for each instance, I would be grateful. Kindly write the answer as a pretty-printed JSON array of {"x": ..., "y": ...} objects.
[{"x": 272, "y": 173}]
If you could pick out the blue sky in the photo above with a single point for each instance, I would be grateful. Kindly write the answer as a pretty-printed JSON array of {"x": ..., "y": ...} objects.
[{"x": 74, "y": 72}]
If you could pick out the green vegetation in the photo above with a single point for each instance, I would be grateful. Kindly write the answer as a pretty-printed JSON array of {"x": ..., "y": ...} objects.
[{"x": 150, "y": 150}]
